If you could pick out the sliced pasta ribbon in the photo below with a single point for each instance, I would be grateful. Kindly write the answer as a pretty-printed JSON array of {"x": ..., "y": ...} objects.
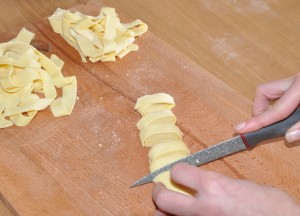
[
  {"x": 154, "y": 134},
  {"x": 99, "y": 38},
  {"x": 28, "y": 82},
  {"x": 155, "y": 165},
  {"x": 164, "y": 149},
  {"x": 159, "y": 117},
  {"x": 152, "y": 103}
]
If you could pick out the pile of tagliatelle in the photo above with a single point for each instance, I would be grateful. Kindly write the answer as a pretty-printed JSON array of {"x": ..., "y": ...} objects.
[
  {"x": 28, "y": 82},
  {"x": 100, "y": 38}
]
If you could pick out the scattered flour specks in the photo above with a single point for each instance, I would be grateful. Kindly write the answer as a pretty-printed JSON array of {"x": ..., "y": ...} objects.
[
  {"x": 95, "y": 128},
  {"x": 115, "y": 141},
  {"x": 259, "y": 6},
  {"x": 115, "y": 137},
  {"x": 223, "y": 48},
  {"x": 241, "y": 7}
]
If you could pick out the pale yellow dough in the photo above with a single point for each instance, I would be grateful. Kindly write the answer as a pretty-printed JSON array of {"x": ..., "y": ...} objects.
[
  {"x": 152, "y": 103},
  {"x": 165, "y": 177},
  {"x": 154, "y": 134},
  {"x": 164, "y": 149},
  {"x": 158, "y": 131},
  {"x": 28, "y": 82},
  {"x": 167, "y": 181},
  {"x": 155, "y": 165},
  {"x": 98, "y": 38},
  {"x": 155, "y": 118}
]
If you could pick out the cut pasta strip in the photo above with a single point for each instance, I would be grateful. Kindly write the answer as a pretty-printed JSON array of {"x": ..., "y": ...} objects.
[
  {"x": 152, "y": 103},
  {"x": 99, "y": 38},
  {"x": 164, "y": 149},
  {"x": 166, "y": 160},
  {"x": 22, "y": 120},
  {"x": 28, "y": 82},
  {"x": 24, "y": 36},
  {"x": 64, "y": 105},
  {"x": 159, "y": 117},
  {"x": 159, "y": 133}
]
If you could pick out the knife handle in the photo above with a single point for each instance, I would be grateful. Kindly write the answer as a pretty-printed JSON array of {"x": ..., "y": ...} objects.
[{"x": 272, "y": 131}]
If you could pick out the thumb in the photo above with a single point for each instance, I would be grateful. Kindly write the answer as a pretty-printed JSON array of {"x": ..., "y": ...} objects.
[{"x": 293, "y": 134}]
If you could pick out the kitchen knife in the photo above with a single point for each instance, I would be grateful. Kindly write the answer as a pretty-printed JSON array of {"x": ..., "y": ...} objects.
[{"x": 228, "y": 147}]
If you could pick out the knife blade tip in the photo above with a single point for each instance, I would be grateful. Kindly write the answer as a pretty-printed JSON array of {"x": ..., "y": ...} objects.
[{"x": 141, "y": 181}]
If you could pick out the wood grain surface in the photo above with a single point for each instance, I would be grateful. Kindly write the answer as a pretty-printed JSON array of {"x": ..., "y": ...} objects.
[{"x": 83, "y": 164}]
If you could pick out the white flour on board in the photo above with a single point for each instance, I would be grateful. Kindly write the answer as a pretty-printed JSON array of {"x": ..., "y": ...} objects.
[
  {"x": 241, "y": 7},
  {"x": 135, "y": 78},
  {"x": 223, "y": 47},
  {"x": 259, "y": 6}
]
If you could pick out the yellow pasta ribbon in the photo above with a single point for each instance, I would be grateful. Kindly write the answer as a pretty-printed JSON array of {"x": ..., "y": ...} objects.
[
  {"x": 159, "y": 117},
  {"x": 28, "y": 82},
  {"x": 154, "y": 134},
  {"x": 163, "y": 149},
  {"x": 99, "y": 38},
  {"x": 153, "y": 103}
]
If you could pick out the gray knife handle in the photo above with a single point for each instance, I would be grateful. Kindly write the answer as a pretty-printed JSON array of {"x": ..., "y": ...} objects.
[{"x": 272, "y": 131}]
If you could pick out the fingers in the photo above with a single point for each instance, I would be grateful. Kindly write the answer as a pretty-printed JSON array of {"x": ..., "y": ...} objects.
[
  {"x": 269, "y": 91},
  {"x": 212, "y": 188},
  {"x": 293, "y": 134},
  {"x": 159, "y": 213},
  {"x": 284, "y": 106},
  {"x": 165, "y": 199},
  {"x": 192, "y": 177}
]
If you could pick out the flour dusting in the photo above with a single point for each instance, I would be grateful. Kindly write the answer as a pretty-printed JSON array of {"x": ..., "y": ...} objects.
[
  {"x": 223, "y": 48},
  {"x": 259, "y": 6},
  {"x": 241, "y": 7}
]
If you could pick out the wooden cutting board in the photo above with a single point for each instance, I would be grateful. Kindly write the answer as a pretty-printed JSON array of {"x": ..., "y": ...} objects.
[{"x": 83, "y": 164}]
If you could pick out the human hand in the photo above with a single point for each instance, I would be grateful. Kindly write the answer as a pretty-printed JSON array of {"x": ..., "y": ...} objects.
[
  {"x": 287, "y": 91},
  {"x": 218, "y": 195}
]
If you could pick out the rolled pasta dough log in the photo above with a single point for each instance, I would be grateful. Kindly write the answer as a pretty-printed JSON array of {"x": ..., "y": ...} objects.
[
  {"x": 159, "y": 133},
  {"x": 155, "y": 165},
  {"x": 159, "y": 117},
  {"x": 165, "y": 177},
  {"x": 164, "y": 149}
]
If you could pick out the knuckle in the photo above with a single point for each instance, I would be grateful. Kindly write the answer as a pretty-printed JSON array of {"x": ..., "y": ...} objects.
[
  {"x": 276, "y": 108},
  {"x": 213, "y": 183},
  {"x": 215, "y": 186}
]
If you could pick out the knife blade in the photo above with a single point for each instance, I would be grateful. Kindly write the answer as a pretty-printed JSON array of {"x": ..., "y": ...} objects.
[{"x": 229, "y": 147}]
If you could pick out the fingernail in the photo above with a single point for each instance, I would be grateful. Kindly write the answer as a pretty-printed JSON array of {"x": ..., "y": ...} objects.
[
  {"x": 159, "y": 184},
  {"x": 293, "y": 136},
  {"x": 240, "y": 126},
  {"x": 257, "y": 112},
  {"x": 156, "y": 188}
]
